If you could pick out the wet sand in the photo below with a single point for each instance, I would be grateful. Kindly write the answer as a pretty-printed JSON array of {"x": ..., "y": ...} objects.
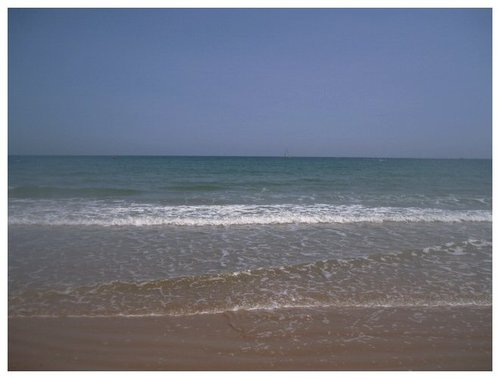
[{"x": 411, "y": 338}]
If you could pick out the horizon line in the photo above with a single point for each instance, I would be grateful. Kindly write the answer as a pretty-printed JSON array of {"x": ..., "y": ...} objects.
[{"x": 240, "y": 156}]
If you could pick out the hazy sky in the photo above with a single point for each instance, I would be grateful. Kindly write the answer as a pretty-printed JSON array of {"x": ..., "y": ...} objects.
[{"x": 327, "y": 82}]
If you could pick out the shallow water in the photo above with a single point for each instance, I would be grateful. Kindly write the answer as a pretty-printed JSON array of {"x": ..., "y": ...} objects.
[{"x": 94, "y": 236}]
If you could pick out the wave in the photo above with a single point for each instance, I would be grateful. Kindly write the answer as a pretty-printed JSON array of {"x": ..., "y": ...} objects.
[
  {"x": 382, "y": 280},
  {"x": 131, "y": 214},
  {"x": 65, "y": 192},
  {"x": 199, "y": 187}
]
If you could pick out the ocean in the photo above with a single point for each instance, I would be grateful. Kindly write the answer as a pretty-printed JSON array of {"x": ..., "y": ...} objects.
[{"x": 179, "y": 236}]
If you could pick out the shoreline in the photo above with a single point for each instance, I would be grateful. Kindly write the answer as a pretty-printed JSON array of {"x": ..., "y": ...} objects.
[{"x": 320, "y": 338}]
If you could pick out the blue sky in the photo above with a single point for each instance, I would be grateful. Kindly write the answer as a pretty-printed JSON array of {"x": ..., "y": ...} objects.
[{"x": 322, "y": 82}]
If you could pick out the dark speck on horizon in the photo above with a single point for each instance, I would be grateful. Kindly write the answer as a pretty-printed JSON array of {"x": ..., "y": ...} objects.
[{"x": 258, "y": 82}]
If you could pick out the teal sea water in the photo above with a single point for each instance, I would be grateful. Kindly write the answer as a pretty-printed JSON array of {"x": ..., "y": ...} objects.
[{"x": 183, "y": 235}]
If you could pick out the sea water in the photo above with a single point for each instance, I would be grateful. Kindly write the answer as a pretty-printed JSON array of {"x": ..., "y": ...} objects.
[{"x": 131, "y": 235}]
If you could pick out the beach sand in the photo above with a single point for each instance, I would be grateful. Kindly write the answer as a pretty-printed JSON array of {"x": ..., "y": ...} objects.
[{"x": 426, "y": 338}]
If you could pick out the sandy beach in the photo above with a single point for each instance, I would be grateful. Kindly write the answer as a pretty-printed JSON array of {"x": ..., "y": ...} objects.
[
  {"x": 411, "y": 338},
  {"x": 249, "y": 189}
]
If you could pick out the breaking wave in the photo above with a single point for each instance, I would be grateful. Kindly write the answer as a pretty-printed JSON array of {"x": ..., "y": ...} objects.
[{"x": 118, "y": 213}]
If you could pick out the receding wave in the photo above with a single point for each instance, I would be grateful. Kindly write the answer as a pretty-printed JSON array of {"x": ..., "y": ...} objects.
[
  {"x": 446, "y": 276},
  {"x": 120, "y": 213}
]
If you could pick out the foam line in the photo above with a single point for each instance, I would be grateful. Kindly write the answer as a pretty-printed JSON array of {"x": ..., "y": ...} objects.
[{"x": 106, "y": 214}]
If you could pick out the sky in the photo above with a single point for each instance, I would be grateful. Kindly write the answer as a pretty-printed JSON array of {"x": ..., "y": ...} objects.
[{"x": 258, "y": 82}]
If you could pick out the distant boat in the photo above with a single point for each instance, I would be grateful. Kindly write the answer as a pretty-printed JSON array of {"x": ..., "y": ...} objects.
[{"x": 286, "y": 154}]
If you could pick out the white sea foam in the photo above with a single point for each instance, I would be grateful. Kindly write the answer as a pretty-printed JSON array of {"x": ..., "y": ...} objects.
[
  {"x": 110, "y": 214},
  {"x": 270, "y": 307}
]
